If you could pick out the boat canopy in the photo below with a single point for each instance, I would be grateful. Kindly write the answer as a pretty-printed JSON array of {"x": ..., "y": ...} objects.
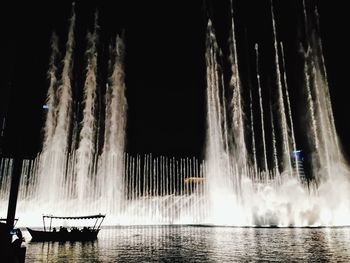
[
  {"x": 74, "y": 217},
  {"x": 99, "y": 218}
]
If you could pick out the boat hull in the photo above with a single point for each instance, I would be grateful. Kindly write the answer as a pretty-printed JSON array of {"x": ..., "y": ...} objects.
[{"x": 38, "y": 235}]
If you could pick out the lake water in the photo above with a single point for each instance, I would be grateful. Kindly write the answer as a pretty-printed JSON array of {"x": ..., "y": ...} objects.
[{"x": 199, "y": 244}]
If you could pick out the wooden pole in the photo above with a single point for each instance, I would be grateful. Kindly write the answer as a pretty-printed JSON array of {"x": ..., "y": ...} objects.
[{"x": 15, "y": 180}]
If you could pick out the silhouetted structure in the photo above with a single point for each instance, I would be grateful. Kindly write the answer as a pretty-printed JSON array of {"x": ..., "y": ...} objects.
[{"x": 74, "y": 234}]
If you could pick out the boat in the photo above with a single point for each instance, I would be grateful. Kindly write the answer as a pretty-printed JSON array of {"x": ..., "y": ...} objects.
[{"x": 63, "y": 233}]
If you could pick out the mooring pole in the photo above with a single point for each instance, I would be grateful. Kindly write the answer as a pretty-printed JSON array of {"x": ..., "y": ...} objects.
[{"x": 15, "y": 179}]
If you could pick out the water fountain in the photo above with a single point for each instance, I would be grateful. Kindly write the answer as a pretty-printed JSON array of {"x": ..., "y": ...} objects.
[{"x": 83, "y": 167}]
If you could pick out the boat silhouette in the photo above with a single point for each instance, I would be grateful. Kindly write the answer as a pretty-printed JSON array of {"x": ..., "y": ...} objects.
[{"x": 65, "y": 234}]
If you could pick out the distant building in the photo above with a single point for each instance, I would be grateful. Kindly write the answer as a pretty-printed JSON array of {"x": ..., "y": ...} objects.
[
  {"x": 298, "y": 164},
  {"x": 192, "y": 184}
]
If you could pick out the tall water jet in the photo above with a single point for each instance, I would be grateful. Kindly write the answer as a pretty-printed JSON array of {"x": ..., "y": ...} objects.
[
  {"x": 261, "y": 108},
  {"x": 54, "y": 158},
  {"x": 286, "y": 165},
  {"x": 111, "y": 185},
  {"x": 51, "y": 99},
  {"x": 61, "y": 133},
  {"x": 253, "y": 134},
  {"x": 220, "y": 185},
  {"x": 294, "y": 146},
  {"x": 274, "y": 146},
  {"x": 86, "y": 149},
  {"x": 327, "y": 156},
  {"x": 323, "y": 72},
  {"x": 240, "y": 149}
]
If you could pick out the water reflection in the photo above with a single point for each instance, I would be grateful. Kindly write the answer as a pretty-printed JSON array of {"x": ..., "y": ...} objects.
[
  {"x": 200, "y": 244},
  {"x": 87, "y": 251}
]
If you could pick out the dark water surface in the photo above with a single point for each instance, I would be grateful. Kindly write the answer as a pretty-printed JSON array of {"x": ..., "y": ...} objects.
[{"x": 199, "y": 244}]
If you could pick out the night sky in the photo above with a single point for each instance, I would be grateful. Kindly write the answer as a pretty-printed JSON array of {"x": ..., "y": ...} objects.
[{"x": 165, "y": 65}]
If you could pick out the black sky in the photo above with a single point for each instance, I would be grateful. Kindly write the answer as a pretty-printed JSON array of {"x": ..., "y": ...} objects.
[{"x": 165, "y": 70}]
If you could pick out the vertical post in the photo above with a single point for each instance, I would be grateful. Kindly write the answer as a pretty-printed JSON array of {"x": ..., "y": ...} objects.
[
  {"x": 15, "y": 180},
  {"x": 95, "y": 223},
  {"x": 102, "y": 218}
]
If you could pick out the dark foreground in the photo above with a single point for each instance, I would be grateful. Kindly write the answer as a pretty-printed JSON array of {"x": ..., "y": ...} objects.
[{"x": 199, "y": 244}]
